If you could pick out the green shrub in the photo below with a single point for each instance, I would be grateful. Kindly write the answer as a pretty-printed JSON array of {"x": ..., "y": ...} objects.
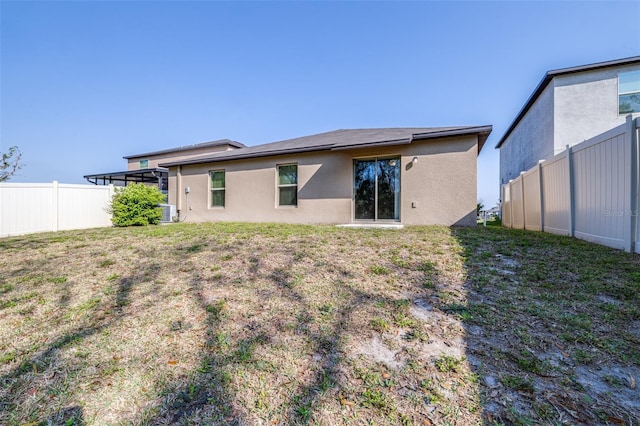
[{"x": 136, "y": 205}]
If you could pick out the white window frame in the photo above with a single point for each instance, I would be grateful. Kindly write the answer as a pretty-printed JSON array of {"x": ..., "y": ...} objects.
[
  {"x": 289, "y": 185},
  {"x": 626, "y": 93},
  {"x": 223, "y": 189}
]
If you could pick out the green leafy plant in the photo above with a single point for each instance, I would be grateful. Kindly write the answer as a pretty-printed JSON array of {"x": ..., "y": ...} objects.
[
  {"x": 379, "y": 324},
  {"x": 136, "y": 205},
  {"x": 448, "y": 363},
  {"x": 378, "y": 270}
]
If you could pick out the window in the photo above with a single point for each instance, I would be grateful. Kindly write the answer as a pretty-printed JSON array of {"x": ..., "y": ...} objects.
[
  {"x": 376, "y": 183},
  {"x": 629, "y": 92},
  {"x": 144, "y": 164},
  {"x": 288, "y": 185},
  {"x": 217, "y": 188}
]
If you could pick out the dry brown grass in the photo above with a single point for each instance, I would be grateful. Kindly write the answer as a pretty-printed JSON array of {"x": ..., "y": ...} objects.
[{"x": 276, "y": 324}]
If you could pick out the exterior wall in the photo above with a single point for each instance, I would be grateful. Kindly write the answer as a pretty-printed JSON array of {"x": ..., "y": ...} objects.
[
  {"x": 154, "y": 160},
  {"x": 531, "y": 140},
  {"x": 439, "y": 189},
  {"x": 443, "y": 183},
  {"x": 586, "y": 105}
]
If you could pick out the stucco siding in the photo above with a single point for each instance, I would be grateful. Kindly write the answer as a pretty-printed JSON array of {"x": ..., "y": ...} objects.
[
  {"x": 440, "y": 188},
  {"x": 531, "y": 140},
  {"x": 586, "y": 105},
  {"x": 442, "y": 184}
]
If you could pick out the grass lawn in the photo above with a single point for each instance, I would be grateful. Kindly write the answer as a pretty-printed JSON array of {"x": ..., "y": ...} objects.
[{"x": 277, "y": 324}]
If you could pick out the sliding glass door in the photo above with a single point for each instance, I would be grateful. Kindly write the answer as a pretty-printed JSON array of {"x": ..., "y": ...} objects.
[{"x": 376, "y": 185}]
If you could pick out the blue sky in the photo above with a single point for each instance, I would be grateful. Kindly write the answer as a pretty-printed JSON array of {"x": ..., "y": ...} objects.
[{"x": 85, "y": 83}]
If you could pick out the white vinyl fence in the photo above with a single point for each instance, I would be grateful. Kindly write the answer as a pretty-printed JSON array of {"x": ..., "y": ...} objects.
[
  {"x": 589, "y": 191},
  {"x": 26, "y": 208}
]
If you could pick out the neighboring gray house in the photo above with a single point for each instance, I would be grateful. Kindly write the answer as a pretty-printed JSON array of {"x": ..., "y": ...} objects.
[{"x": 568, "y": 106}]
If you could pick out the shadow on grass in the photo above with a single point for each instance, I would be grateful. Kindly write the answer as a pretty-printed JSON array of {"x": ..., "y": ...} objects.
[
  {"x": 326, "y": 346},
  {"x": 206, "y": 393},
  {"x": 39, "y": 373},
  {"x": 546, "y": 321},
  {"x": 209, "y": 394}
]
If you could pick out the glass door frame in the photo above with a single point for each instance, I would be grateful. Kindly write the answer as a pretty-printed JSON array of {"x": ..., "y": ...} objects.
[{"x": 375, "y": 159}]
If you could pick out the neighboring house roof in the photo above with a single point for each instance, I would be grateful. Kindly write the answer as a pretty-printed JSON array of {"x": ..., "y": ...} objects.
[
  {"x": 190, "y": 147},
  {"x": 550, "y": 75},
  {"x": 341, "y": 140}
]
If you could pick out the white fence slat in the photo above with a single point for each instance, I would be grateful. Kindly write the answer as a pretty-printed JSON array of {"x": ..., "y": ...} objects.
[
  {"x": 517, "y": 211},
  {"x": 589, "y": 191},
  {"x": 532, "y": 213},
  {"x": 27, "y": 208},
  {"x": 555, "y": 174},
  {"x": 506, "y": 205},
  {"x": 600, "y": 191}
]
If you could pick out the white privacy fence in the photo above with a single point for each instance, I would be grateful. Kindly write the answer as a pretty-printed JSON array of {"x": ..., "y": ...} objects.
[
  {"x": 40, "y": 207},
  {"x": 589, "y": 191}
]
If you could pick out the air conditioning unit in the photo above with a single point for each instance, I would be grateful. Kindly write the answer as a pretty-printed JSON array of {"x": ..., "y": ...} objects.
[{"x": 168, "y": 212}]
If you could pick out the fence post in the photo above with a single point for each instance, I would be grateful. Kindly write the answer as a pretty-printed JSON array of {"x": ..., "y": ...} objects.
[
  {"x": 635, "y": 134},
  {"x": 54, "y": 206},
  {"x": 570, "y": 182},
  {"x": 632, "y": 214},
  {"x": 500, "y": 203},
  {"x": 524, "y": 207},
  {"x": 541, "y": 186}
]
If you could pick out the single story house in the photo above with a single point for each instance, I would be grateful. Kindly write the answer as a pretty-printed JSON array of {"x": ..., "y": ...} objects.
[
  {"x": 412, "y": 176},
  {"x": 569, "y": 106}
]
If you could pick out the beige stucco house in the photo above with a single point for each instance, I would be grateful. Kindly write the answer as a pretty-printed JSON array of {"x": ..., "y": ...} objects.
[{"x": 395, "y": 175}]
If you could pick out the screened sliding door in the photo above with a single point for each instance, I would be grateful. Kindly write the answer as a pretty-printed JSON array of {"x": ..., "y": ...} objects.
[{"x": 377, "y": 189}]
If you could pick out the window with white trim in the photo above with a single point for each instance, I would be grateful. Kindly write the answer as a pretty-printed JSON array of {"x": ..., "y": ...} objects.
[
  {"x": 629, "y": 92},
  {"x": 217, "y": 179},
  {"x": 288, "y": 185}
]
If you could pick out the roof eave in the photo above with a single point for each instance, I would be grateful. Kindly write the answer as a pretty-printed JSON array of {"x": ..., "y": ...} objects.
[
  {"x": 405, "y": 141},
  {"x": 234, "y": 144},
  {"x": 527, "y": 105},
  {"x": 249, "y": 155},
  {"x": 483, "y": 133}
]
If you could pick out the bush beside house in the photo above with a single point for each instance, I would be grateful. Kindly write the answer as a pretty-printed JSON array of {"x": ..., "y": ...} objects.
[{"x": 137, "y": 205}]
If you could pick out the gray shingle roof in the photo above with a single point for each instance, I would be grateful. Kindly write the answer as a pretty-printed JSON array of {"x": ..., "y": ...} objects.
[
  {"x": 342, "y": 139},
  {"x": 219, "y": 142}
]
